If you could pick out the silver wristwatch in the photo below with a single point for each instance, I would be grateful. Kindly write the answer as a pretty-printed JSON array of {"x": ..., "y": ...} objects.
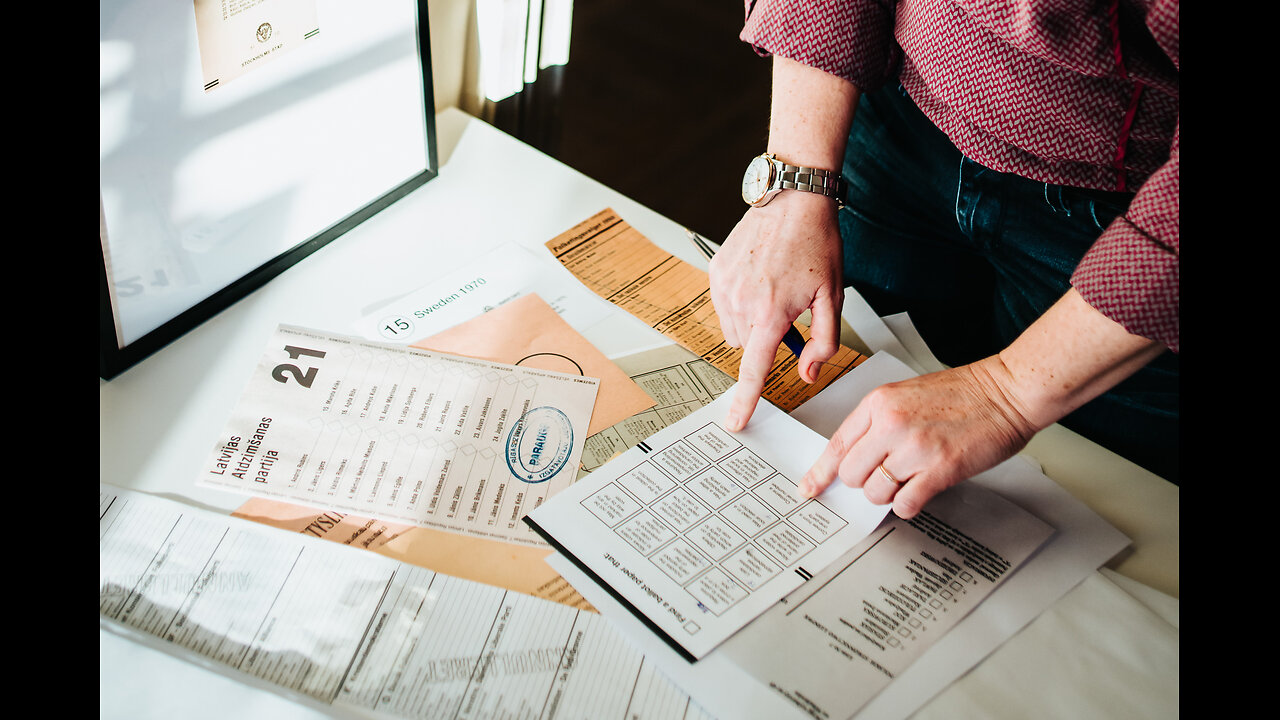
[{"x": 767, "y": 176}]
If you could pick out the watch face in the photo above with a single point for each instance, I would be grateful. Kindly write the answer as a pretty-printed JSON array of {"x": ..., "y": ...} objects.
[{"x": 755, "y": 183}]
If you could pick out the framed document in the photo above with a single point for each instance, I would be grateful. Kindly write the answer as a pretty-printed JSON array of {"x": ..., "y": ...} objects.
[{"x": 240, "y": 136}]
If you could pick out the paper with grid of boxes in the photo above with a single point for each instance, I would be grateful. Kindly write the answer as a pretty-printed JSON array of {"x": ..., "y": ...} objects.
[{"x": 698, "y": 530}]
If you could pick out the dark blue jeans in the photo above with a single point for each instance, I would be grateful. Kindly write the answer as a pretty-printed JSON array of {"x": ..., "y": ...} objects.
[{"x": 975, "y": 256}]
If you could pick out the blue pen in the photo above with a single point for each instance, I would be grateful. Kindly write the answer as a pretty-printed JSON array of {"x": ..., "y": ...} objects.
[{"x": 793, "y": 339}]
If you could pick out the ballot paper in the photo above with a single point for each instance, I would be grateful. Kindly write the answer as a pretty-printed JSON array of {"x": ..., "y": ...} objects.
[
  {"x": 403, "y": 434},
  {"x": 679, "y": 383},
  {"x": 836, "y": 647},
  {"x": 698, "y": 530},
  {"x": 525, "y": 331},
  {"x": 839, "y": 639},
  {"x": 356, "y": 633}
]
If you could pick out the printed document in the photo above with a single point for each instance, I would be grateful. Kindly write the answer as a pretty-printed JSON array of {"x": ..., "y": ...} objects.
[
  {"x": 355, "y": 631},
  {"x": 511, "y": 566},
  {"x": 679, "y": 383},
  {"x": 873, "y": 601},
  {"x": 525, "y": 331},
  {"x": 698, "y": 530},
  {"x": 237, "y": 36},
  {"x": 839, "y": 639},
  {"x": 402, "y": 434}
]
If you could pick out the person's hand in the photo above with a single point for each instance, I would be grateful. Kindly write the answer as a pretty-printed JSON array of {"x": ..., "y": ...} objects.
[
  {"x": 908, "y": 441},
  {"x": 927, "y": 433},
  {"x": 780, "y": 260}
]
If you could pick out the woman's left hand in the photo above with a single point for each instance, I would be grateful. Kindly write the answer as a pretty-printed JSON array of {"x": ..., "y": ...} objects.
[{"x": 908, "y": 441}]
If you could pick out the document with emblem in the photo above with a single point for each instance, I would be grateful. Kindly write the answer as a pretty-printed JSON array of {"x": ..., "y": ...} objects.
[
  {"x": 237, "y": 36},
  {"x": 403, "y": 434},
  {"x": 698, "y": 530}
]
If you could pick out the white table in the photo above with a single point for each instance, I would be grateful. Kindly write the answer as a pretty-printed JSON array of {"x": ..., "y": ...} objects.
[{"x": 157, "y": 419}]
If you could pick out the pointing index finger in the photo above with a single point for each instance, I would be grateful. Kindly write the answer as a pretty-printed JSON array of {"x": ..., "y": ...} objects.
[{"x": 757, "y": 360}]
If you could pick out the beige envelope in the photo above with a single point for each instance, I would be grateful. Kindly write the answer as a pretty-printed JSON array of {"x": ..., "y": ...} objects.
[
  {"x": 506, "y": 565},
  {"x": 528, "y": 332}
]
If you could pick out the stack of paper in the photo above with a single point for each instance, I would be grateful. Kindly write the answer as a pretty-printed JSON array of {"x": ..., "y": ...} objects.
[{"x": 720, "y": 589}]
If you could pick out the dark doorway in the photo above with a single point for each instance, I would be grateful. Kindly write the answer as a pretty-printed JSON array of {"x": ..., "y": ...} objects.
[{"x": 660, "y": 101}]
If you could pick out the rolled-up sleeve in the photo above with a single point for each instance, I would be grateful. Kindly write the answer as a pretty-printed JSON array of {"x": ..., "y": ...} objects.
[
  {"x": 851, "y": 39},
  {"x": 1131, "y": 273}
]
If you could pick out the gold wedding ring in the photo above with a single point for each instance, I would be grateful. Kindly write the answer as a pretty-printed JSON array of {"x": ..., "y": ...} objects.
[{"x": 888, "y": 475}]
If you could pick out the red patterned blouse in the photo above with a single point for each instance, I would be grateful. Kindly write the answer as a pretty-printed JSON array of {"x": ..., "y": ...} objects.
[{"x": 1072, "y": 92}]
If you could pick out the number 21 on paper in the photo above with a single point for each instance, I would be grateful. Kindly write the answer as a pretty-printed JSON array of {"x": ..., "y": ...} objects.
[{"x": 284, "y": 371}]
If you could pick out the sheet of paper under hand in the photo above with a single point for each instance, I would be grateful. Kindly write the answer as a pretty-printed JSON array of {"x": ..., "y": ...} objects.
[
  {"x": 837, "y": 641},
  {"x": 882, "y": 630},
  {"x": 698, "y": 530}
]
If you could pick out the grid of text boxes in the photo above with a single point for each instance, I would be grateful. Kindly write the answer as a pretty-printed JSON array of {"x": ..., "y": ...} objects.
[{"x": 713, "y": 516}]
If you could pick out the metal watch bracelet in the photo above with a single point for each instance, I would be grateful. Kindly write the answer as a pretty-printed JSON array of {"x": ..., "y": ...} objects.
[{"x": 823, "y": 182}]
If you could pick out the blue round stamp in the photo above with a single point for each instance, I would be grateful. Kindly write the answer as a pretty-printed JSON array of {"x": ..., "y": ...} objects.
[{"x": 539, "y": 444}]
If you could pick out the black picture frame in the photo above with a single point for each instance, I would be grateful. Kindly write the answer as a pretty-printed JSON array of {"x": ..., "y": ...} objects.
[{"x": 116, "y": 356}]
